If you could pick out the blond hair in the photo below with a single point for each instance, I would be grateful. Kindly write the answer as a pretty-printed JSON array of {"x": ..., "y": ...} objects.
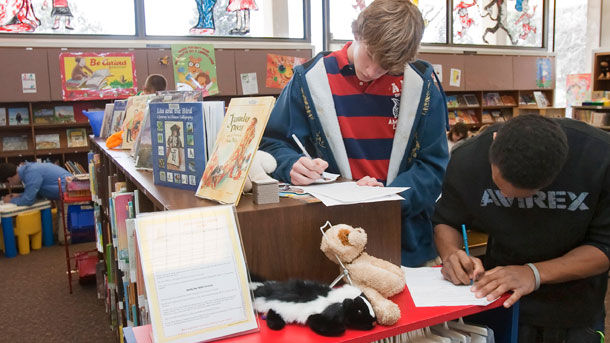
[{"x": 392, "y": 31}]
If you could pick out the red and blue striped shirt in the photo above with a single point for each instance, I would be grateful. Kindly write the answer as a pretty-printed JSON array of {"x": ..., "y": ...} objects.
[{"x": 367, "y": 114}]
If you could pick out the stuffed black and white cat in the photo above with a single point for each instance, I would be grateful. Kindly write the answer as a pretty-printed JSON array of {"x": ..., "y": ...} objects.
[{"x": 327, "y": 311}]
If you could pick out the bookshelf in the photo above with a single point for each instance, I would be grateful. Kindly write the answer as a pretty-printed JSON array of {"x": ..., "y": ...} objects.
[{"x": 598, "y": 116}]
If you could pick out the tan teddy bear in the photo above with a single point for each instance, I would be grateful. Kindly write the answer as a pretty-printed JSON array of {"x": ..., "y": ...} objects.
[{"x": 378, "y": 279}]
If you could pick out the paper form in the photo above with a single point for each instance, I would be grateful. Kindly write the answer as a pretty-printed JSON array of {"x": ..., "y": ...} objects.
[
  {"x": 195, "y": 274},
  {"x": 351, "y": 193},
  {"x": 428, "y": 287}
]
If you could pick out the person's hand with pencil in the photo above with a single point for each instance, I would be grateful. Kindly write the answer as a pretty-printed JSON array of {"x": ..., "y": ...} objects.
[{"x": 306, "y": 170}]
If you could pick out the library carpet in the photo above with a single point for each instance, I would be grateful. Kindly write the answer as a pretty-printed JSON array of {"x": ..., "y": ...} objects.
[{"x": 35, "y": 305}]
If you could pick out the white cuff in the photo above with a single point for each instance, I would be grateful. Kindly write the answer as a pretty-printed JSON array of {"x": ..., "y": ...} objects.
[{"x": 536, "y": 275}]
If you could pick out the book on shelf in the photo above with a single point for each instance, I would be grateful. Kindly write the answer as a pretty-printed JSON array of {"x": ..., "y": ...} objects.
[
  {"x": 106, "y": 121},
  {"x": 18, "y": 116},
  {"x": 452, "y": 101},
  {"x": 47, "y": 141},
  {"x": 2, "y": 116},
  {"x": 64, "y": 114},
  {"x": 142, "y": 149},
  {"x": 461, "y": 101},
  {"x": 600, "y": 118},
  {"x": 452, "y": 118},
  {"x": 508, "y": 100},
  {"x": 77, "y": 138},
  {"x": 487, "y": 118},
  {"x": 118, "y": 116},
  {"x": 44, "y": 115},
  {"x": 134, "y": 114},
  {"x": 466, "y": 117},
  {"x": 179, "y": 153},
  {"x": 527, "y": 99},
  {"x": 240, "y": 134},
  {"x": 471, "y": 100},
  {"x": 15, "y": 143},
  {"x": 497, "y": 116},
  {"x": 540, "y": 99},
  {"x": 213, "y": 113},
  {"x": 493, "y": 99}
]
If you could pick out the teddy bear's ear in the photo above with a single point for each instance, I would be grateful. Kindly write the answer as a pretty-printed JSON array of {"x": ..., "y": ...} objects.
[{"x": 357, "y": 237}]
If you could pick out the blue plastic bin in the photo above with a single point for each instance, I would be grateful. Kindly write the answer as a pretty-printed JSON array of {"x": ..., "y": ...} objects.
[
  {"x": 96, "y": 119},
  {"x": 81, "y": 223}
]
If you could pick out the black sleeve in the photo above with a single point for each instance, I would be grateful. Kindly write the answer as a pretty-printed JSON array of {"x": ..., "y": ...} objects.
[
  {"x": 451, "y": 209},
  {"x": 598, "y": 234}
]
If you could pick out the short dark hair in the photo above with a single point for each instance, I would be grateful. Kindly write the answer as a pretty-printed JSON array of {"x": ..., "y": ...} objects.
[
  {"x": 459, "y": 129},
  {"x": 529, "y": 151},
  {"x": 155, "y": 83},
  {"x": 7, "y": 170}
]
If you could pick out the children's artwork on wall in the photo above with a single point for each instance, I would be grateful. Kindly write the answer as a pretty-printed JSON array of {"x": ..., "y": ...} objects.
[
  {"x": 280, "y": 69},
  {"x": 498, "y": 22},
  {"x": 578, "y": 89},
  {"x": 229, "y": 18},
  {"x": 109, "y": 17},
  {"x": 94, "y": 76},
  {"x": 544, "y": 72},
  {"x": 195, "y": 68}
]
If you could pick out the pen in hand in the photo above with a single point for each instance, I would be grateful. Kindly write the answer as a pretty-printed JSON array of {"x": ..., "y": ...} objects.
[
  {"x": 466, "y": 244},
  {"x": 301, "y": 146}
]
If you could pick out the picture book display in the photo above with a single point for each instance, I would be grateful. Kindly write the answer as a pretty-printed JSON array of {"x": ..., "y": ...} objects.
[
  {"x": 2, "y": 116},
  {"x": 77, "y": 138},
  {"x": 107, "y": 120},
  {"x": 471, "y": 100},
  {"x": 493, "y": 99},
  {"x": 44, "y": 115},
  {"x": 508, "y": 100},
  {"x": 541, "y": 100},
  {"x": 452, "y": 101},
  {"x": 47, "y": 141},
  {"x": 487, "y": 118},
  {"x": 64, "y": 114},
  {"x": 142, "y": 149},
  {"x": 18, "y": 116},
  {"x": 134, "y": 114},
  {"x": 178, "y": 145},
  {"x": 242, "y": 128},
  {"x": 118, "y": 116},
  {"x": 195, "y": 274},
  {"x": 15, "y": 143},
  {"x": 195, "y": 68}
]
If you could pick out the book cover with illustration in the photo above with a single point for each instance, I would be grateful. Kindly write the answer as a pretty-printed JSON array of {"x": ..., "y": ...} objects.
[
  {"x": 134, "y": 114},
  {"x": 452, "y": 101},
  {"x": 18, "y": 116},
  {"x": 64, "y": 114},
  {"x": 241, "y": 131},
  {"x": 508, "y": 100},
  {"x": 143, "y": 146},
  {"x": 44, "y": 115},
  {"x": 493, "y": 99},
  {"x": 107, "y": 120},
  {"x": 195, "y": 68},
  {"x": 118, "y": 116},
  {"x": 77, "y": 138},
  {"x": 2, "y": 116},
  {"x": 15, "y": 143},
  {"x": 47, "y": 141},
  {"x": 178, "y": 143},
  {"x": 471, "y": 100}
]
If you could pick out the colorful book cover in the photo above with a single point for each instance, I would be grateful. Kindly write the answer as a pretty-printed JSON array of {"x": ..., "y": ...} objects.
[
  {"x": 2, "y": 116},
  {"x": 461, "y": 101},
  {"x": 195, "y": 68},
  {"x": 493, "y": 99},
  {"x": 544, "y": 72},
  {"x": 49, "y": 141},
  {"x": 64, "y": 114},
  {"x": 15, "y": 143},
  {"x": 118, "y": 116},
  {"x": 77, "y": 138},
  {"x": 44, "y": 116},
  {"x": 242, "y": 128},
  {"x": 134, "y": 114},
  {"x": 107, "y": 120},
  {"x": 280, "y": 69},
  {"x": 452, "y": 101},
  {"x": 541, "y": 100},
  {"x": 508, "y": 100},
  {"x": 179, "y": 143},
  {"x": 486, "y": 118},
  {"x": 578, "y": 89},
  {"x": 18, "y": 116}
]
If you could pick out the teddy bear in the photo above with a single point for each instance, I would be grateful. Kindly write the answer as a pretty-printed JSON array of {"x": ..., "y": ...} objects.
[
  {"x": 604, "y": 67},
  {"x": 378, "y": 279},
  {"x": 263, "y": 164}
]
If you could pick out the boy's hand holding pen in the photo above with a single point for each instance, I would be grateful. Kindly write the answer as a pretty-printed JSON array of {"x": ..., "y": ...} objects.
[
  {"x": 306, "y": 170},
  {"x": 461, "y": 268}
]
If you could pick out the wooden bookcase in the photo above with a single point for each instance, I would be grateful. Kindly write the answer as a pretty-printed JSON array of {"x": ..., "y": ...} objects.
[
  {"x": 598, "y": 116},
  {"x": 600, "y": 82}
]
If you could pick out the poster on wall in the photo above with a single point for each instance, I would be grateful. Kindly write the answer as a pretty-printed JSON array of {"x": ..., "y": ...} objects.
[
  {"x": 195, "y": 68},
  {"x": 578, "y": 89},
  {"x": 93, "y": 76},
  {"x": 544, "y": 72},
  {"x": 280, "y": 69}
]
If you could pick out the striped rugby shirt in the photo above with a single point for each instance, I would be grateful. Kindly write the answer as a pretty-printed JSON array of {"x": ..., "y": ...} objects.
[{"x": 367, "y": 114}]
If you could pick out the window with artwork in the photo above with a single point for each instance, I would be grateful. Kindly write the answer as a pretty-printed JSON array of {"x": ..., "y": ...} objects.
[
  {"x": 225, "y": 18},
  {"x": 341, "y": 14},
  {"x": 82, "y": 17},
  {"x": 498, "y": 22}
]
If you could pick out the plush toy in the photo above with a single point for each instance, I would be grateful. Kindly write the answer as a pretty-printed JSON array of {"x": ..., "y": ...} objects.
[
  {"x": 378, "y": 279},
  {"x": 327, "y": 311},
  {"x": 604, "y": 67},
  {"x": 263, "y": 164}
]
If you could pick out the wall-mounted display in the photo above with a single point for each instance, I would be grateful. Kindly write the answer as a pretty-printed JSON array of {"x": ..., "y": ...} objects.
[{"x": 83, "y": 17}]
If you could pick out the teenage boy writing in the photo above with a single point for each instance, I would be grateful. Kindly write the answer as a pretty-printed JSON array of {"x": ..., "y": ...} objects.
[
  {"x": 39, "y": 179},
  {"x": 541, "y": 189},
  {"x": 367, "y": 113}
]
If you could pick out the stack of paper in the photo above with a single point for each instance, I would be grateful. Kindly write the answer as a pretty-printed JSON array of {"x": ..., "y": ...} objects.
[
  {"x": 343, "y": 193},
  {"x": 266, "y": 192}
]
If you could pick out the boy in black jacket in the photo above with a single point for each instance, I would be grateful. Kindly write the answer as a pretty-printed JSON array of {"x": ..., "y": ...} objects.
[{"x": 541, "y": 189}]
